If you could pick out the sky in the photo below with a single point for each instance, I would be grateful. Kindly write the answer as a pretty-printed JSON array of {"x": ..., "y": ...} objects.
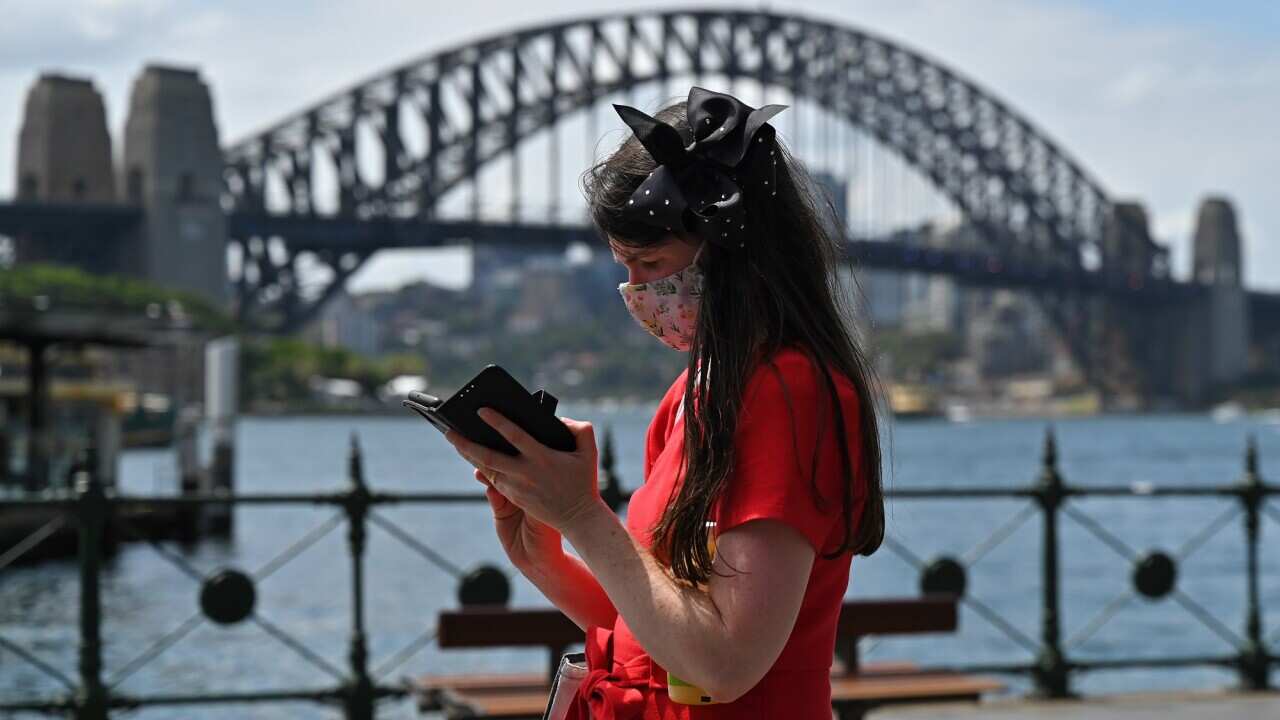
[{"x": 1161, "y": 102}]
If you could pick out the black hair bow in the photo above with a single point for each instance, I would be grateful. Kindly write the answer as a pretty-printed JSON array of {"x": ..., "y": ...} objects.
[{"x": 697, "y": 187}]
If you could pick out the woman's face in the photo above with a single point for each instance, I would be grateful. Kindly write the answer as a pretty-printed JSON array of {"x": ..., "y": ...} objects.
[{"x": 655, "y": 261}]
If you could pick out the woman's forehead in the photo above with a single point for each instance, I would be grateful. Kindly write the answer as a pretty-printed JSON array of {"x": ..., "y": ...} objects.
[{"x": 628, "y": 252}]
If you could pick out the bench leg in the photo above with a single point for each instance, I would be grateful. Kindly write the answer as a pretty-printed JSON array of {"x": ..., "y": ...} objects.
[
  {"x": 851, "y": 711},
  {"x": 454, "y": 708}
]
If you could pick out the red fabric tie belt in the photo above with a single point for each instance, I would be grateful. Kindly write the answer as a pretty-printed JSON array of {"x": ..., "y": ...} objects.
[{"x": 609, "y": 693}]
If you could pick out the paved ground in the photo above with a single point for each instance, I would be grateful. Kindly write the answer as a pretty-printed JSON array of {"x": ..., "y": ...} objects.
[{"x": 1165, "y": 706}]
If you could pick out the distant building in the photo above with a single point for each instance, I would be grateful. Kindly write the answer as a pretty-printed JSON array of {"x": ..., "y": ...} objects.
[
  {"x": 878, "y": 299},
  {"x": 495, "y": 268},
  {"x": 597, "y": 278},
  {"x": 931, "y": 304},
  {"x": 546, "y": 298},
  {"x": 347, "y": 322},
  {"x": 1007, "y": 338},
  {"x": 416, "y": 314},
  {"x": 937, "y": 303},
  {"x": 836, "y": 190},
  {"x": 881, "y": 297}
]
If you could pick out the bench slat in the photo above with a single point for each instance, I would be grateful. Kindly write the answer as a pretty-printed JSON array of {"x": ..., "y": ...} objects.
[
  {"x": 898, "y": 616},
  {"x": 887, "y": 688},
  {"x": 489, "y": 704},
  {"x": 500, "y": 627}
]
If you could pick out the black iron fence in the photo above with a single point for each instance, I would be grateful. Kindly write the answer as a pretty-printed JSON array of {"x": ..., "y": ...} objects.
[
  {"x": 228, "y": 596},
  {"x": 1154, "y": 574}
]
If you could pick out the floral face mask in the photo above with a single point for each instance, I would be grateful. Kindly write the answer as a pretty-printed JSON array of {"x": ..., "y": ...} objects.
[{"x": 667, "y": 307}]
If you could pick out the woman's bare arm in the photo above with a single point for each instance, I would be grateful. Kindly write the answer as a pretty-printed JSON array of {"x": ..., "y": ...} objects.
[
  {"x": 571, "y": 587},
  {"x": 722, "y": 637}
]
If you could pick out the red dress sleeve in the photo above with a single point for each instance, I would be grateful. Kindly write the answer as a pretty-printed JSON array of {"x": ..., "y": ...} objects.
[{"x": 787, "y": 459}]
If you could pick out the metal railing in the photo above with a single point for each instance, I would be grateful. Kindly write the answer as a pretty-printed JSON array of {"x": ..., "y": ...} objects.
[
  {"x": 228, "y": 596},
  {"x": 1154, "y": 573}
]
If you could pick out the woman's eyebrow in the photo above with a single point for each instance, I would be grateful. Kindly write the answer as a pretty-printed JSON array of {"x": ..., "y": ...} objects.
[{"x": 640, "y": 254}]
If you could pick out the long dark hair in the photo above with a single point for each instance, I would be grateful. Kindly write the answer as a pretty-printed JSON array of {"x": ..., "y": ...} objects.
[{"x": 779, "y": 290}]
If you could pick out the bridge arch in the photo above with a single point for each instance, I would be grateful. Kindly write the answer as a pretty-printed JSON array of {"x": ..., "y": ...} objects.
[{"x": 476, "y": 102}]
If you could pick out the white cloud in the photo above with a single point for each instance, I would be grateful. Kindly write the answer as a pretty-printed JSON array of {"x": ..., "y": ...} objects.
[
  {"x": 1136, "y": 85},
  {"x": 1160, "y": 110}
]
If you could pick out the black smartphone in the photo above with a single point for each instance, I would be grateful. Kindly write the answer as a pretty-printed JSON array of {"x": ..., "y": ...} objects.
[{"x": 494, "y": 388}]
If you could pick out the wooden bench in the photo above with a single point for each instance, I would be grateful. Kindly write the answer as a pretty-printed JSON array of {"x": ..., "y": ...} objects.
[{"x": 855, "y": 687}]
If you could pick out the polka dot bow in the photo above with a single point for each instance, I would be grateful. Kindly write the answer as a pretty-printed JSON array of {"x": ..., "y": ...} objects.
[{"x": 697, "y": 188}]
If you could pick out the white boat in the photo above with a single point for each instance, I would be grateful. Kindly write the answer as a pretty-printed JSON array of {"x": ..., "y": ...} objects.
[
  {"x": 1227, "y": 412},
  {"x": 959, "y": 413}
]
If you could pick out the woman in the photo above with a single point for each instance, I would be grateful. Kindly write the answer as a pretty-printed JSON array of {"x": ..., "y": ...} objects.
[{"x": 774, "y": 439}]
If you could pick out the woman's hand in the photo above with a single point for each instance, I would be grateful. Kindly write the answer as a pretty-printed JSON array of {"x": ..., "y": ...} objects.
[
  {"x": 531, "y": 544},
  {"x": 554, "y": 487}
]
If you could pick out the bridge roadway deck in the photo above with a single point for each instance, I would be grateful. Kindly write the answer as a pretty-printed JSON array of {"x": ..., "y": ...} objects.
[{"x": 1156, "y": 706}]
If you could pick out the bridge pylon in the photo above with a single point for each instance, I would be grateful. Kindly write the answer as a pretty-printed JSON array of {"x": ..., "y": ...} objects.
[
  {"x": 1177, "y": 351},
  {"x": 1133, "y": 343},
  {"x": 1217, "y": 336},
  {"x": 172, "y": 168},
  {"x": 64, "y": 157}
]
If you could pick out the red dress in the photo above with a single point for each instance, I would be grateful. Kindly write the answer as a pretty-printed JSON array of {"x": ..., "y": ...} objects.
[{"x": 775, "y": 451}]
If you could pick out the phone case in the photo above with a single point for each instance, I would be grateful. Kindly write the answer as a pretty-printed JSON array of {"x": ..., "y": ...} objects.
[{"x": 494, "y": 388}]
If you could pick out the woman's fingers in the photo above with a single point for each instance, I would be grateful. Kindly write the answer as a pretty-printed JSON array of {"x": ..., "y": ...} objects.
[
  {"x": 510, "y": 431},
  {"x": 502, "y": 507},
  {"x": 547, "y": 485},
  {"x": 500, "y": 504},
  {"x": 584, "y": 435},
  {"x": 481, "y": 457}
]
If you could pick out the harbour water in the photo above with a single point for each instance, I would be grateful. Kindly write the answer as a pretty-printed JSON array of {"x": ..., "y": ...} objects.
[{"x": 146, "y": 596}]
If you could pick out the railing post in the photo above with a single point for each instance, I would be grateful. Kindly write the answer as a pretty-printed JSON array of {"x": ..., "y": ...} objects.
[
  {"x": 91, "y": 698},
  {"x": 39, "y": 443},
  {"x": 1254, "y": 661},
  {"x": 610, "y": 485},
  {"x": 360, "y": 695},
  {"x": 1051, "y": 673},
  {"x": 5, "y": 453}
]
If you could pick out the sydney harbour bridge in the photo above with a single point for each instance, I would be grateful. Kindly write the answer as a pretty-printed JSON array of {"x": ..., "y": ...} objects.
[{"x": 374, "y": 165}]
